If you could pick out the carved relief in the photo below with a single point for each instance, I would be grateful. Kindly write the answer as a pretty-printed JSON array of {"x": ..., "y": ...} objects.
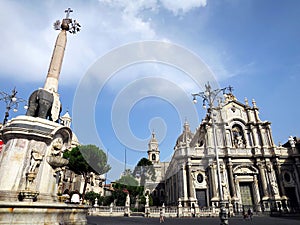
[
  {"x": 274, "y": 188},
  {"x": 35, "y": 161},
  {"x": 57, "y": 146},
  {"x": 245, "y": 169},
  {"x": 55, "y": 158}
]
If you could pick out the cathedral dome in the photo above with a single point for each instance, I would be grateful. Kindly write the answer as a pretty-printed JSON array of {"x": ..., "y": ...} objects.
[{"x": 186, "y": 135}]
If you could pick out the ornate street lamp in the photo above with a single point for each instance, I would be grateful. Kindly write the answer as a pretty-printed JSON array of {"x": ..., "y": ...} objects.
[
  {"x": 209, "y": 97},
  {"x": 12, "y": 102}
]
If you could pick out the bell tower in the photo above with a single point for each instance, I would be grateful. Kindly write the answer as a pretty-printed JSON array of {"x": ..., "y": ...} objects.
[{"x": 153, "y": 150}]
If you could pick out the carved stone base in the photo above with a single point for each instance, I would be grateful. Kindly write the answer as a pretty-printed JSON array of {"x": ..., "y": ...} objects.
[
  {"x": 35, "y": 213},
  {"x": 28, "y": 195}
]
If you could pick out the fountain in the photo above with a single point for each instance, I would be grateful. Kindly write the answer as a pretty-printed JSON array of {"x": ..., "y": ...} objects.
[{"x": 31, "y": 159}]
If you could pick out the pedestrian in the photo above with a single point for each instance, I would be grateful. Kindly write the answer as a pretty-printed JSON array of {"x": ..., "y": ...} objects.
[
  {"x": 161, "y": 216},
  {"x": 244, "y": 214},
  {"x": 75, "y": 197},
  {"x": 193, "y": 210},
  {"x": 250, "y": 214}
]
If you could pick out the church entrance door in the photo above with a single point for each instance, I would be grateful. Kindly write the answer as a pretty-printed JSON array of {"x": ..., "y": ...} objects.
[
  {"x": 291, "y": 194},
  {"x": 201, "y": 197},
  {"x": 246, "y": 194}
]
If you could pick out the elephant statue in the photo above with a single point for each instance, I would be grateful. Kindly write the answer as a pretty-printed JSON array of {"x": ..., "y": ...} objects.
[{"x": 40, "y": 104}]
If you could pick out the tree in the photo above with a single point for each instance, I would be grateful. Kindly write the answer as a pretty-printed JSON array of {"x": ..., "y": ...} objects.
[
  {"x": 91, "y": 196},
  {"x": 85, "y": 159},
  {"x": 127, "y": 184},
  {"x": 145, "y": 170},
  {"x": 128, "y": 179}
]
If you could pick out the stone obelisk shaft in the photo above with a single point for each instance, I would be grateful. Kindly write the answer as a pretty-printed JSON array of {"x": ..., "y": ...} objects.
[{"x": 51, "y": 83}]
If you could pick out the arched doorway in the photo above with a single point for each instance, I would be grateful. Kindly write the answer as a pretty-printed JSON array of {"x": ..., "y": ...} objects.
[{"x": 246, "y": 184}]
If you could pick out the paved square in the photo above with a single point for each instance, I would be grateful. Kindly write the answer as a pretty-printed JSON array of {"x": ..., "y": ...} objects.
[{"x": 261, "y": 220}]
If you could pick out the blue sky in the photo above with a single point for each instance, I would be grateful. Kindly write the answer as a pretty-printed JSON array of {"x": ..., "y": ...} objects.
[{"x": 253, "y": 45}]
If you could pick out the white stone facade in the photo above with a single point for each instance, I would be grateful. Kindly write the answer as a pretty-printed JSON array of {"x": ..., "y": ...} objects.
[{"x": 254, "y": 172}]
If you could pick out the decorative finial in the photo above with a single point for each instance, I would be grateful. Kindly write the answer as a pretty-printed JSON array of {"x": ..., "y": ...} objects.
[
  {"x": 246, "y": 101},
  {"x": 153, "y": 133},
  {"x": 67, "y": 24},
  {"x": 254, "y": 103}
]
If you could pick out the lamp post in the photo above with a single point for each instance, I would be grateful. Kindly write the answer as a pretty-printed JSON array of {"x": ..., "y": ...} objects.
[
  {"x": 12, "y": 102},
  {"x": 209, "y": 96}
]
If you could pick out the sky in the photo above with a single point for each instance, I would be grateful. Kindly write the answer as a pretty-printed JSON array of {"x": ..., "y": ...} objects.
[{"x": 134, "y": 64}]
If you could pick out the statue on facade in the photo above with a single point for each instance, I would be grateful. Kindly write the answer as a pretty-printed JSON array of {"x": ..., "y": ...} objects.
[
  {"x": 292, "y": 142},
  {"x": 36, "y": 159},
  {"x": 274, "y": 188},
  {"x": 238, "y": 139}
]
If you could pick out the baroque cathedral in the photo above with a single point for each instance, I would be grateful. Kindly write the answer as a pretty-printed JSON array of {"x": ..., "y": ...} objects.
[{"x": 253, "y": 171}]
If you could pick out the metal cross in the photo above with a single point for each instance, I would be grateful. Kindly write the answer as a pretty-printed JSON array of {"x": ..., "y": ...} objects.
[
  {"x": 68, "y": 11},
  {"x": 230, "y": 89}
]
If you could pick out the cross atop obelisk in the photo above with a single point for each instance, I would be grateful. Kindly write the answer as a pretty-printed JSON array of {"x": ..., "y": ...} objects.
[
  {"x": 68, "y": 11},
  {"x": 51, "y": 83}
]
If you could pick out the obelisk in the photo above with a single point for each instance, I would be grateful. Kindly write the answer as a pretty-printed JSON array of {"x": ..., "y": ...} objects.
[
  {"x": 45, "y": 103},
  {"x": 51, "y": 83}
]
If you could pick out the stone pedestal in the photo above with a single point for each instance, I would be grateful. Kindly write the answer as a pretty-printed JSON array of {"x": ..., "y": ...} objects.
[
  {"x": 127, "y": 206},
  {"x": 36, "y": 213},
  {"x": 30, "y": 166}
]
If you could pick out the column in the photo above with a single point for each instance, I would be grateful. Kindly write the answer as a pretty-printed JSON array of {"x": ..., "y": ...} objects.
[
  {"x": 297, "y": 173},
  {"x": 191, "y": 185},
  {"x": 255, "y": 136},
  {"x": 269, "y": 130},
  {"x": 256, "y": 192},
  {"x": 184, "y": 185},
  {"x": 263, "y": 179},
  {"x": 213, "y": 180},
  {"x": 231, "y": 180},
  {"x": 279, "y": 178}
]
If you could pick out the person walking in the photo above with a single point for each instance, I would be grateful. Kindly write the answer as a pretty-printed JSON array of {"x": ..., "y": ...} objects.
[
  {"x": 161, "y": 216},
  {"x": 245, "y": 215},
  {"x": 250, "y": 214}
]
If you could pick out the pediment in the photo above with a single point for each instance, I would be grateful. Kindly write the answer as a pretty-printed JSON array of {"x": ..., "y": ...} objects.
[{"x": 245, "y": 169}]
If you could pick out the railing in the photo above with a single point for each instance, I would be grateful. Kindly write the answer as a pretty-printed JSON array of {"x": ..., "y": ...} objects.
[
  {"x": 154, "y": 211},
  {"x": 107, "y": 211}
]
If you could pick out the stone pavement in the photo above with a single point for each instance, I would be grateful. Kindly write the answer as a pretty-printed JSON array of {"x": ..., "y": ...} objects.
[{"x": 259, "y": 220}]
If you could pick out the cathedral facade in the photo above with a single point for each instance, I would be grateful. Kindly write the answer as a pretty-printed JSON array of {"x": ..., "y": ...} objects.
[{"x": 253, "y": 171}]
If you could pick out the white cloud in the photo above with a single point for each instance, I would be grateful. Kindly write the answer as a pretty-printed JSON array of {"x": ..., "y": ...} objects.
[
  {"x": 28, "y": 38},
  {"x": 134, "y": 7},
  {"x": 181, "y": 7}
]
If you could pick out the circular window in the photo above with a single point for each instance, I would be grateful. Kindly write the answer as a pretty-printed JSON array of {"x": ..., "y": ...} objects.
[
  {"x": 287, "y": 177},
  {"x": 200, "y": 178}
]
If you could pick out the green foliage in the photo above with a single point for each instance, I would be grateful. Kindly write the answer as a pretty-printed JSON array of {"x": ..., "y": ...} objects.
[
  {"x": 120, "y": 196},
  {"x": 121, "y": 190},
  {"x": 85, "y": 159},
  {"x": 145, "y": 170},
  {"x": 144, "y": 162},
  {"x": 91, "y": 196},
  {"x": 106, "y": 200},
  {"x": 128, "y": 179}
]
